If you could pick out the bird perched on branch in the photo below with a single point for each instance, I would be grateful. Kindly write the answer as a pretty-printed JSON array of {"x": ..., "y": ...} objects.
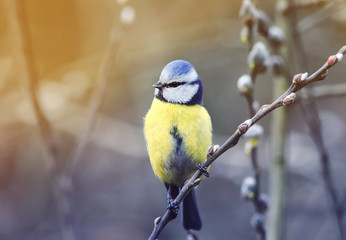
[{"x": 178, "y": 131}]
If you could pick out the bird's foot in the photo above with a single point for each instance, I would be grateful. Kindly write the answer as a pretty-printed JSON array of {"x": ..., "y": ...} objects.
[
  {"x": 172, "y": 206},
  {"x": 203, "y": 169}
]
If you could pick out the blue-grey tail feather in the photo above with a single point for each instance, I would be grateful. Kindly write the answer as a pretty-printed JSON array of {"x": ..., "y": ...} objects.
[{"x": 191, "y": 218}]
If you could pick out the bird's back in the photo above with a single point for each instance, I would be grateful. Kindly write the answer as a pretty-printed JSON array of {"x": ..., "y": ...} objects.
[{"x": 177, "y": 139}]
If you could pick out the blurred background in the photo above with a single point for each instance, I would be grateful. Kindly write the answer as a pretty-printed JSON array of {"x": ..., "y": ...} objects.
[{"x": 116, "y": 195}]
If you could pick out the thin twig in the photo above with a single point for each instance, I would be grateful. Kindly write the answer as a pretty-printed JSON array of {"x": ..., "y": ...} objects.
[
  {"x": 257, "y": 175},
  {"x": 261, "y": 235},
  {"x": 97, "y": 96},
  {"x": 253, "y": 151},
  {"x": 314, "y": 19},
  {"x": 315, "y": 127},
  {"x": 250, "y": 103},
  {"x": 285, "y": 99},
  {"x": 327, "y": 91}
]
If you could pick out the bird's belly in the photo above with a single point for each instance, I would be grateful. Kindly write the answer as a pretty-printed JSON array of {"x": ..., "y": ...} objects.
[{"x": 179, "y": 166}]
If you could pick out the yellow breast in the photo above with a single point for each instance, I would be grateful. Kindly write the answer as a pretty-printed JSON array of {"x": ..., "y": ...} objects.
[{"x": 177, "y": 139}]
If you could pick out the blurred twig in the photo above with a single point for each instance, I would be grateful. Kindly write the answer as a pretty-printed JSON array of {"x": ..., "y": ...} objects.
[
  {"x": 20, "y": 30},
  {"x": 312, "y": 20},
  {"x": 325, "y": 91},
  {"x": 299, "y": 81},
  {"x": 315, "y": 126},
  {"x": 97, "y": 96},
  {"x": 94, "y": 106},
  {"x": 247, "y": 90}
]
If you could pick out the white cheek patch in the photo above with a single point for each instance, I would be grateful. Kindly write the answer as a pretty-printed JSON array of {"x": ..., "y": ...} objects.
[{"x": 181, "y": 94}]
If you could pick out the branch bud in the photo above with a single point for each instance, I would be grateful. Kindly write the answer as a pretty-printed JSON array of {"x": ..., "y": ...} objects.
[
  {"x": 254, "y": 132},
  {"x": 212, "y": 149},
  {"x": 264, "y": 107},
  {"x": 244, "y": 84},
  {"x": 332, "y": 60},
  {"x": 289, "y": 99},
  {"x": 258, "y": 58},
  {"x": 245, "y": 34},
  {"x": 263, "y": 22},
  {"x": 252, "y": 136},
  {"x": 339, "y": 56},
  {"x": 195, "y": 183},
  {"x": 300, "y": 77},
  {"x": 156, "y": 221},
  {"x": 258, "y": 222},
  {"x": 242, "y": 128},
  {"x": 276, "y": 36},
  {"x": 263, "y": 201},
  {"x": 127, "y": 15},
  {"x": 247, "y": 189}
]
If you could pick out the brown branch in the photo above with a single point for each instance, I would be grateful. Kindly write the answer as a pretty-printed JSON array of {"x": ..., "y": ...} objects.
[{"x": 299, "y": 81}]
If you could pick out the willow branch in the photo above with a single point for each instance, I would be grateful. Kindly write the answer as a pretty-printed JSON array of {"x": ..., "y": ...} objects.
[{"x": 299, "y": 81}]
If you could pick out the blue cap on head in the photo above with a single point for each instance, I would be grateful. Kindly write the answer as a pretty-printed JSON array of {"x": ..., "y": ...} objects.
[{"x": 177, "y": 68}]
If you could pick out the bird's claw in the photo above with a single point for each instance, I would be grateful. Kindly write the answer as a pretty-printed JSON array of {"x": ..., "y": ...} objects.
[
  {"x": 172, "y": 206},
  {"x": 203, "y": 169}
]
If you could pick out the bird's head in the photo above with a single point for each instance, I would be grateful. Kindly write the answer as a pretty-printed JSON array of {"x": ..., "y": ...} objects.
[{"x": 179, "y": 83}]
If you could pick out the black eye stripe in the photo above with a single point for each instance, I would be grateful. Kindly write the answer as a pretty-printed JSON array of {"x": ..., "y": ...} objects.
[{"x": 173, "y": 84}]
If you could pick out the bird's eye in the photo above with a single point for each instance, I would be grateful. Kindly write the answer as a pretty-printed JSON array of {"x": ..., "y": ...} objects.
[{"x": 174, "y": 84}]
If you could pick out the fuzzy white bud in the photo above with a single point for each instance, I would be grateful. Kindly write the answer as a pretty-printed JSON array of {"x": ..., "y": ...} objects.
[
  {"x": 258, "y": 222},
  {"x": 244, "y": 84},
  {"x": 276, "y": 36},
  {"x": 304, "y": 76},
  {"x": 127, "y": 15},
  {"x": 254, "y": 132},
  {"x": 289, "y": 99},
  {"x": 339, "y": 56},
  {"x": 247, "y": 189},
  {"x": 258, "y": 58}
]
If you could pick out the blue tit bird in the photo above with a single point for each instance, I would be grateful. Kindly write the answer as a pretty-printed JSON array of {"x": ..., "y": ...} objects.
[{"x": 178, "y": 131}]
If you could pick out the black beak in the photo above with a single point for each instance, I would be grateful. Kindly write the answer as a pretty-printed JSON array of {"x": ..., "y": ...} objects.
[{"x": 158, "y": 85}]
